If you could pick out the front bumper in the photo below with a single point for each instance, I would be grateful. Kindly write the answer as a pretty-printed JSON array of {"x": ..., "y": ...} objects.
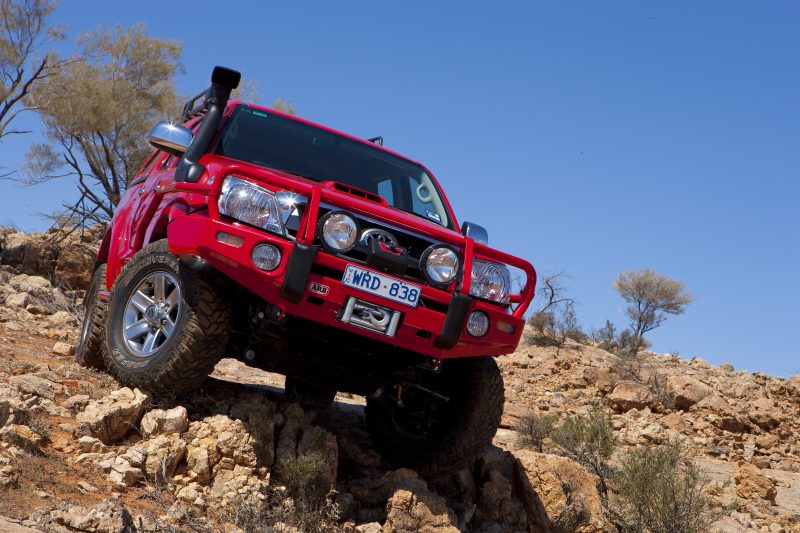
[{"x": 434, "y": 328}]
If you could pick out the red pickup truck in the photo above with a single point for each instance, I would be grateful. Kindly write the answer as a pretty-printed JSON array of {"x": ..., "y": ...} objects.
[{"x": 255, "y": 234}]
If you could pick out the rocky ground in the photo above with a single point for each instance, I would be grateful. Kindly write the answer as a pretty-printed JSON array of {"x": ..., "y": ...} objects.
[{"x": 80, "y": 453}]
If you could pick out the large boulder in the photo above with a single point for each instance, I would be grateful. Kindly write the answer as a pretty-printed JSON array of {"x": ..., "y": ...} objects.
[
  {"x": 752, "y": 484},
  {"x": 30, "y": 253},
  {"x": 31, "y": 284},
  {"x": 109, "y": 516},
  {"x": 109, "y": 419},
  {"x": 629, "y": 395},
  {"x": 218, "y": 444},
  {"x": 722, "y": 414},
  {"x": 162, "y": 454},
  {"x": 123, "y": 474},
  {"x": 165, "y": 421},
  {"x": 500, "y": 507},
  {"x": 18, "y": 299},
  {"x": 36, "y": 385},
  {"x": 424, "y": 512},
  {"x": 764, "y": 413},
  {"x": 21, "y": 436},
  {"x": 75, "y": 265},
  {"x": 290, "y": 434},
  {"x": 556, "y": 488},
  {"x": 688, "y": 390}
]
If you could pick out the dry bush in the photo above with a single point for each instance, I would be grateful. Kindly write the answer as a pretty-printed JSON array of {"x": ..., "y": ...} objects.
[
  {"x": 663, "y": 394},
  {"x": 660, "y": 490},
  {"x": 533, "y": 428},
  {"x": 305, "y": 479},
  {"x": 572, "y": 515},
  {"x": 589, "y": 440},
  {"x": 556, "y": 326}
]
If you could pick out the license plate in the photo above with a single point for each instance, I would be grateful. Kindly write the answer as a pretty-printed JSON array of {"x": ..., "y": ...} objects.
[{"x": 381, "y": 285}]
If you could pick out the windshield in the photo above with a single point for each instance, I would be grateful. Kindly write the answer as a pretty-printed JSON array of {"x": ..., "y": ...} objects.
[{"x": 273, "y": 141}]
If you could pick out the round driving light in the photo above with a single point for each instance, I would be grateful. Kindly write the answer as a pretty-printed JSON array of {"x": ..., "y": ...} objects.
[
  {"x": 478, "y": 324},
  {"x": 339, "y": 231},
  {"x": 441, "y": 264},
  {"x": 266, "y": 257}
]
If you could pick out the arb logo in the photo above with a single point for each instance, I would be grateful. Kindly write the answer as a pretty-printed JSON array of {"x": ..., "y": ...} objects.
[{"x": 319, "y": 288}]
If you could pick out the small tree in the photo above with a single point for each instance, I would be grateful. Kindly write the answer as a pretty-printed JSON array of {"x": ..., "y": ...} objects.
[
  {"x": 650, "y": 297},
  {"x": 23, "y": 63},
  {"x": 97, "y": 111}
]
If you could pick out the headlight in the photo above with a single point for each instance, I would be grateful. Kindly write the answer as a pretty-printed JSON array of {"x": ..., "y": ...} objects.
[
  {"x": 339, "y": 231},
  {"x": 490, "y": 281},
  {"x": 251, "y": 204},
  {"x": 440, "y": 264}
]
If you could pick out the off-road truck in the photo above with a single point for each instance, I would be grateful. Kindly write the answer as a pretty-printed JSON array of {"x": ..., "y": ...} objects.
[{"x": 256, "y": 234}]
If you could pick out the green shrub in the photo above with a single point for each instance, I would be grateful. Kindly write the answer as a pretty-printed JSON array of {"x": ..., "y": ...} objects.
[
  {"x": 606, "y": 337},
  {"x": 659, "y": 490},
  {"x": 533, "y": 428},
  {"x": 589, "y": 440},
  {"x": 305, "y": 478},
  {"x": 555, "y": 326}
]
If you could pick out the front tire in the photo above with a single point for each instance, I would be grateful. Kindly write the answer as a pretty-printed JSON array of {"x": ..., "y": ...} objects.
[
  {"x": 89, "y": 350},
  {"x": 167, "y": 327},
  {"x": 431, "y": 434}
]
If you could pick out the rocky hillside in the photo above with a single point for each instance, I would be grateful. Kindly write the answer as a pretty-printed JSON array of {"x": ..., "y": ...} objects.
[{"x": 80, "y": 453}]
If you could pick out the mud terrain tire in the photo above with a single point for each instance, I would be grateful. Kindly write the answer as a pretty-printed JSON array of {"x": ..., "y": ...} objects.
[
  {"x": 89, "y": 350},
  {"x": 462, "y": 428},
  {"x": 197, "y": 340}
]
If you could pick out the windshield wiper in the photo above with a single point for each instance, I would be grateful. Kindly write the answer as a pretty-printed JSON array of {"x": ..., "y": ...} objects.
[{"x": 301, "y": 174}]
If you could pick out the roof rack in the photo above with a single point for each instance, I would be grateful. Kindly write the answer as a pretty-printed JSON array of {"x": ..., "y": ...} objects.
[{"x": 189, "y": 109}]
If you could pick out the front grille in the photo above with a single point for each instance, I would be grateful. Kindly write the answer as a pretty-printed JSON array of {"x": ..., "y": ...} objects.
[{"x": 415, "y": 245}]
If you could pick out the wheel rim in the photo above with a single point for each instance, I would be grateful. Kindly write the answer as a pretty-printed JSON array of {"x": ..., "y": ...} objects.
[{"x": 151, "y": 313}]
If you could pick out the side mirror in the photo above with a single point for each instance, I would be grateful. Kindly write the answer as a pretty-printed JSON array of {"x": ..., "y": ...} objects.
[
  {"x": 171, "y": 138},
  {"x": 475, "y": 232}
]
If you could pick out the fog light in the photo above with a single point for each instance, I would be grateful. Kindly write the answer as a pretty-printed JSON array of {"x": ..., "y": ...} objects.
[
  {"x": 478, "y": 324},
  {"x": 266, "y": 257}
]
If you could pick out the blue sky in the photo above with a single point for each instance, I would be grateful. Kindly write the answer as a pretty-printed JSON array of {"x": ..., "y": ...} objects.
[{"x": 588, "y": 137}]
